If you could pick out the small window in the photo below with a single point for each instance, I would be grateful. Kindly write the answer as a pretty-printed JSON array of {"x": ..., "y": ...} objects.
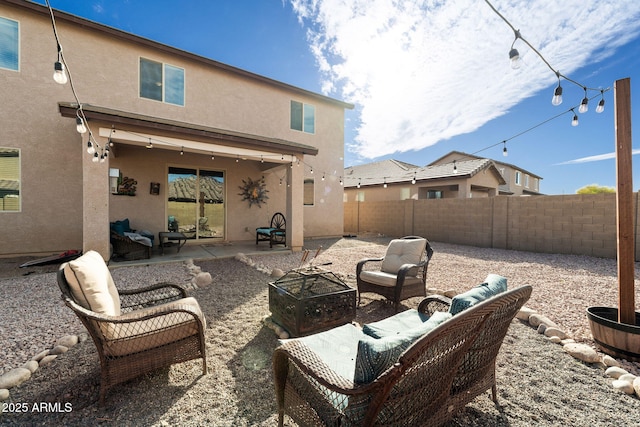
[
  {"x": 309, "y": 192},
  {"x": 518, "y": 178},
  {"x": 161, "y": 82},
  {"x": 405, "y": 193},
  {"x": 360, "y": 196},
  {"x": 303, "y": 117},
  {"x": 526, "y": 181},
  {"x": 9, "y": 44},
  {"x": 434, "y": 194},
  {"x": 9, "y": 180}
]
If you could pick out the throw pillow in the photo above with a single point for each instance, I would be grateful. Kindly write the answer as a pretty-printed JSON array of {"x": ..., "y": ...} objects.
[
  {"x": 91, "y": 284},
  {"x": 376, "y": 355},
  {"x": 493, "y": 286}
]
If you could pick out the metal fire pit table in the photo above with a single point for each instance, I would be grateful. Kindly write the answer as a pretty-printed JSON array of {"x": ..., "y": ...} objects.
[{"x": 311, "y": 300}]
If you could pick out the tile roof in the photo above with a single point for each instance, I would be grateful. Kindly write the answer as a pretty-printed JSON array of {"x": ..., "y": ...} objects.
[{"x": 392, "y": 171}]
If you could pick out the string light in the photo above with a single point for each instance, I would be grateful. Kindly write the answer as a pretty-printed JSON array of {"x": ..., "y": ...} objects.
[
  {"x": 455, "y": 167},
  {"x": 557, "y": 94},
  {"x": 505, "y": 153},
  {"x": 514, "y": 55},
  {"x": 584, "y": 105},
  {"x": 385, "y": 182},
  {"x": 574, "y": 122},
  {"x": 413, "y": 181},
  {"x": 150, "y": 144},
  {"x": 80, "y": 127},
  {"x": 341, "y": 183},
  {"x": 359, "y": 181},
  {"x": 600, "y": 107},
  {"x": 182, "y": 151}
]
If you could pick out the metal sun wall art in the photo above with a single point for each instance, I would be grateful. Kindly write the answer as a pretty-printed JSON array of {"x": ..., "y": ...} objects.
[{"x": 254, "y": 191}]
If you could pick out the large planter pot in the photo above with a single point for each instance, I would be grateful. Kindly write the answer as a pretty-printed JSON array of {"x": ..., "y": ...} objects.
[{"x": 612, "y": 337}]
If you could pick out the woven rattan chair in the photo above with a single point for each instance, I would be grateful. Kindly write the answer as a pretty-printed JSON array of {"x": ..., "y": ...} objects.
[
  {"x": 400, "y": 274},
  {"x": 126, "y": 249},
  {"x": 134, "y": 331},
  {"x": 430, "y": 382}
]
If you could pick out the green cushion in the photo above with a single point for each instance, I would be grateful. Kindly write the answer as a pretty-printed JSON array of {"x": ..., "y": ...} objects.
[
  {"x": 376, "y": 355},
  {"x": 410, "y": 323},
  {"x": 493, "y": 285}
]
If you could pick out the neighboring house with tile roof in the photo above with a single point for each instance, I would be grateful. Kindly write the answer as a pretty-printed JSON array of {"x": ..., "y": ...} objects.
[{"x": 456, "y": 175}]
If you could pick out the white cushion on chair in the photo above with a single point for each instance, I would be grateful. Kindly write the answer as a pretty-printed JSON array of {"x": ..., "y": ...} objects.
[
  {"x": 92, "y": 285},
  {"x": 386, "y": 279},
  {"x": 402, "y": 251}
]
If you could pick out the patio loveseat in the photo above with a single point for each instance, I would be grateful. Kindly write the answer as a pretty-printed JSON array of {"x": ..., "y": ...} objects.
[{"x": 418, "y": 367}]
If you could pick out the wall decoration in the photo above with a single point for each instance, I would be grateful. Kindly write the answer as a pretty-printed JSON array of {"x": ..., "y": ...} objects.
[
  {"x": 127, "y": 186},
  {"x": 254, "y": 191},
  {"x": 154, "y": 188}
]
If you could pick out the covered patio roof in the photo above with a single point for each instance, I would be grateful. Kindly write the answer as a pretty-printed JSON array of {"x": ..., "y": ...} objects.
[{"x": 181, "y": 135}]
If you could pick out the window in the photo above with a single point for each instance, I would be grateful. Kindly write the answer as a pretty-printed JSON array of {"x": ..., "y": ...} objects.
[
  {"x": 161, "y": 82},
  {"x": 9, "y": 44},
  {"x": 303, "y": 117},
  {"x": 518, "y": 178},
  {"x": 434, "y": 194},
  {"x": 526, "y": 181},
  {"x": 9, "y": 179},
  {"x": 405, "y": 193},
  {"x": 360, "y": 196},
  {"x": 309, "y": 186}
]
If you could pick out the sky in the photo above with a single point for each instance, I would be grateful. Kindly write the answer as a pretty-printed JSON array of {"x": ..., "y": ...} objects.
[{"x": 427, "y": 76}]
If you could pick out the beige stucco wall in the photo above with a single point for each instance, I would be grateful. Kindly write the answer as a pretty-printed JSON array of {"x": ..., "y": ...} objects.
[
  {"x": 571, "y": 224},
  {"x": 105, "y": 73}
]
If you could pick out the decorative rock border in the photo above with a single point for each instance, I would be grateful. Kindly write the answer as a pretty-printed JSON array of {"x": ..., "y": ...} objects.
[
  {"x": 624, "y": 381},
  {"x": 19, "y": 375}
]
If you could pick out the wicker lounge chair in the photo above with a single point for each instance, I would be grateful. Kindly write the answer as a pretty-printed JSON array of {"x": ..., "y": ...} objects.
[
  {"x": 134, "y": 331},
  {"x": 275, "y": 233},
  {"x": 426, "y": 385},
  {"x": 400, "y": 274},
  {"x": 126, "y": 247}
]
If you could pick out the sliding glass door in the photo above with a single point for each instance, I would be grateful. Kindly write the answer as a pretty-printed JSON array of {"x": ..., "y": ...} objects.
[{"x": 195, "y": 204}]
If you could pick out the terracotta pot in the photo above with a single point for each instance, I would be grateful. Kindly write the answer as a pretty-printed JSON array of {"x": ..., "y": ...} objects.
[{"x": 612, "y": 337}]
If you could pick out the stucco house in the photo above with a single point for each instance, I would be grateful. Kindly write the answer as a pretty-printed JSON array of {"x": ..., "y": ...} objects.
[
  {"x": 456, "y": 175},
  {"x": 171, "y": 136}
]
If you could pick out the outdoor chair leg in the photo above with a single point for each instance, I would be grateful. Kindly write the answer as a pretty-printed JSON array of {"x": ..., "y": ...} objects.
[{"x": 494, "y": 393}]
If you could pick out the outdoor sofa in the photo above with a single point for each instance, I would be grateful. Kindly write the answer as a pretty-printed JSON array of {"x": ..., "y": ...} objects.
[{"x": 418, "y": 367}]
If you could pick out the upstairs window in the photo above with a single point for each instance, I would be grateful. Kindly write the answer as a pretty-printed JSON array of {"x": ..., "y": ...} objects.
[
  {"x": 518, "y": 178},
  {"x": 309, "y": 190},
  {"x": 9, "y": 44},
  {"x": 161, "y": 82},
  {"x": 303, "y": 117}
]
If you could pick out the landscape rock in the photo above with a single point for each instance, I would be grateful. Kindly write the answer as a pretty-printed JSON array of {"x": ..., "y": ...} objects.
[
  {"x": 624, "y": 386},
  {"x": 82, "y": 337},
  {"x": 542, "y": 328},
  {"x": 555, "y": 332},
  {"x": 68, "y": 341},
  {"x": 276, "y": 273},
  {"x": 4, "y": 394},
  {"x": 31, "y": 365},
  {"x": 524, "y": 313},
  {"x": 59, "y": 349},
  {"x": 203, "y": 279},
  {"x": 555, "y": 340},
  {"x": 582, "y": 352},
  {"x": 536, "y": 320},
  {"x": 610, "y": 361},
  {"x": 14, "y": 377},
  {"x": 38, "y": 357},
  {"x": 636, "y": 386},
  {"x": 450, "y": 293},
  {"x": 615, "y": 372},
  {"x": 567, "y": 341},
  {"x": 48, "y": 359},
  {"x": 627, "y": 377}
]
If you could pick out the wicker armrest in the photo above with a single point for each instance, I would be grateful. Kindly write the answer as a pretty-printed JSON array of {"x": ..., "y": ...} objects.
[
  {"x": 150, "y": 296},
  {"x": 434, "y": 303},
  {"x": 362, "y": 262},
  {"x": 311, "y": 365}
]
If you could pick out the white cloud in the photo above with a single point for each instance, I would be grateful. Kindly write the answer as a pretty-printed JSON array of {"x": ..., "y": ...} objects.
[
  {"x": 425, "y": 71},
  {"x": 596, "y": 158}
]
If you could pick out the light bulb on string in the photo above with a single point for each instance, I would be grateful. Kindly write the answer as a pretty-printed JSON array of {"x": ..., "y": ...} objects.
[
  {"x": 413, "y": 181},
  {"x": 182, "y": 151},
  {"x": 102, "y": 158},
  {"x": 323, "y": 176},
  {"x": 59, "y": 73},
  {"x": 514, "y": 55},
  {"x": 600, "y": 107},
  {"x": 96, "y": 158},
  {"x": 90, "y": 148},
  {"x": 574, "y": 122},
  {"x": 341, "y": 183},
  {"x": 385, "y": 183},
  {"x": 80, "y": 127},
  {"x": 213, "y": 157},
  {"x": 584, "y": 105},
  {"x": 557, "y": 95},
  {"x": 455, "y": 167},
  {"x": 505, "y": 153},
  {"x": 150, "y": 144},
  {"x": 359, "y": 180}
]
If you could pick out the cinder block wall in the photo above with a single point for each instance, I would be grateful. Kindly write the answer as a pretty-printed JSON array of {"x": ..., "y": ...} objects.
[{"x": 568, "y": 224}]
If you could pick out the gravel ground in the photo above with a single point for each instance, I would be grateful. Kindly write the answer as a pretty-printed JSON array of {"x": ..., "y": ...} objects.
[{"x": 538, "y": 384}]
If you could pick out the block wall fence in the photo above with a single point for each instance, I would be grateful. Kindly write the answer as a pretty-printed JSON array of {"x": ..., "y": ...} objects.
[{"x": 567, "y": 224}]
